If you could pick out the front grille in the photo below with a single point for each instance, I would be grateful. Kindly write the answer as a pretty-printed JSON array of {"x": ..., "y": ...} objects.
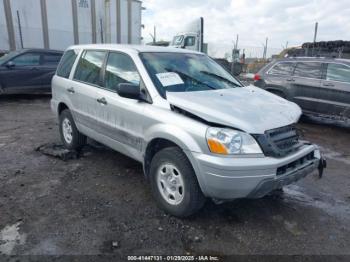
[{"x": 279, "y": 142}]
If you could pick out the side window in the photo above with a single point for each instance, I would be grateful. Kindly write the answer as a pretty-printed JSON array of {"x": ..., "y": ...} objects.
[
  {"x": 67, "y": 63},
  {"x": 120, "y": 69},
  {"x": 29, "y": 59},
  {"x": 51, "y": 59},
  {"x": 338, "y": 72},
  {"x": 89, "y": 67},
  {"x": 190, "y": 41},
  {"x": 308, "y": 69},
  {"x": 282, "y": 68}
]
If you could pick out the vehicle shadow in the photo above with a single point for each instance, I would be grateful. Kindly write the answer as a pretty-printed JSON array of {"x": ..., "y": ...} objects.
[{"x": 24, "y": 97}]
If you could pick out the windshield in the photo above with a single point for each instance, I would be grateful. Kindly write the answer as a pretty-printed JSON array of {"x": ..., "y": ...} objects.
[
  {"x": 8, "y": 56},
  {"x": 181, "y": 72},
  {"x": 177, "y": 40}
]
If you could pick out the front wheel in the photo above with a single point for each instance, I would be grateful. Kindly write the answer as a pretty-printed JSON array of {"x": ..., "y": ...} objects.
[
  {"x": 174, "y": 183},
  {"x": 71, "y": 137}
]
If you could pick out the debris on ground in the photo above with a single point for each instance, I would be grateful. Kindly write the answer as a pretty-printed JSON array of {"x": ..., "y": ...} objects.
[
  {"x": 197, "y": 239},
  {"x": 58, "y": 151},
  {"x": 115, "y": 244}
]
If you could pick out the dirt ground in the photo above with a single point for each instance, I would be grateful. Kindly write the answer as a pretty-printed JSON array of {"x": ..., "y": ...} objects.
[{"x": 100, "y": 203}]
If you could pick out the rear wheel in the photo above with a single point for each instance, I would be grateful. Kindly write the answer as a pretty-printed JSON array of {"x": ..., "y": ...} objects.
[
  {"x": 71, "y": 138},
  {"x": 174, "y": 183}
]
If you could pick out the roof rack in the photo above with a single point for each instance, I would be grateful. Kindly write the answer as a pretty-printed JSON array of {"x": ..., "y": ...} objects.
[{"x": 313, "y": 57}]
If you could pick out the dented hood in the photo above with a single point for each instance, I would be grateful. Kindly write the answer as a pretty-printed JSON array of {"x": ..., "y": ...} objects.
[{"x": 250, "y": 109}]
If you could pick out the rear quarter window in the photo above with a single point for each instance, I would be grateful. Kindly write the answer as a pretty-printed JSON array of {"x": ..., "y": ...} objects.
[
  {"x": 282, "y": 68},
  {"x": 66, "y": 63},
  {"x": 51, "y": 59}
]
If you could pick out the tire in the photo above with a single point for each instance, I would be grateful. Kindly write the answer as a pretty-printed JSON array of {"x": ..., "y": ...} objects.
[
  {"x": 77, "y": 140},
  {"x": 172, "y": 162}
]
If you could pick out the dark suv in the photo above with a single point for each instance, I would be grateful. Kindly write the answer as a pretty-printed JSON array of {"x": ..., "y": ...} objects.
[{"x": 318, "y": 85}]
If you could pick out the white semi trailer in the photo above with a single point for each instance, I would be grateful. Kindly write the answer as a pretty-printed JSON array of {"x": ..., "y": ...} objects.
[{"x": 57, "y": 24}]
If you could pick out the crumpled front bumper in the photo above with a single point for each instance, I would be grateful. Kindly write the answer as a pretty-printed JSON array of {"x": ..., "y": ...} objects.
[
  {"x": 253, "y": 177},
  {"x": 267, "y": 185}
]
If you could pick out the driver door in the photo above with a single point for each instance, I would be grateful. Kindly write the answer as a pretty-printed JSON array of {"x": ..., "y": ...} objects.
[
  {"x": 120, "y": 120},
  {"x": 190, "y": 43}
]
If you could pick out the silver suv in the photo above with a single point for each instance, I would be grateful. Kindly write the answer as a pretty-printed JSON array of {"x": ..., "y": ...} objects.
[{"x": 197, "y": 131}]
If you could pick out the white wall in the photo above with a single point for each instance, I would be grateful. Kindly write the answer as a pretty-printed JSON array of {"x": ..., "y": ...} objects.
[
  {"x": 84, "y": 22},
  {"x": 30, "y": 15},
  {"x": 135, "y": 22},
  {"x": 124, "y": 21},
  {"x": 4, "y": 40},
  {"x": 113, "y": 21},
  {"x": 60, "y": 23},
  {"x": 100, "y": 14}
]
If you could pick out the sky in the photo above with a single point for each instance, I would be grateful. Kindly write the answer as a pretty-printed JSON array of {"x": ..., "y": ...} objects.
[{"x": 281, "y": 21}]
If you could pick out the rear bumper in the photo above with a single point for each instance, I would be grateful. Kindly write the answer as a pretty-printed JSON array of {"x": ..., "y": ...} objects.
[{"x": 230, "y": 178}]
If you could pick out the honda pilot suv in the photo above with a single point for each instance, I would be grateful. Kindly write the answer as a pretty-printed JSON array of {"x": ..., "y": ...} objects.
[
  {"x": 196, "y": 130},
  {"x": 320, "y": 86}
]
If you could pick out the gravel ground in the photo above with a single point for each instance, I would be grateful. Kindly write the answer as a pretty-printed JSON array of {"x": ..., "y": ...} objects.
[{"x": 100, "y": 202}]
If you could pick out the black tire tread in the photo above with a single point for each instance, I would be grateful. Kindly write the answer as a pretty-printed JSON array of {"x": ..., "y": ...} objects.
[
  {"x": 79, "y": 140},
  {"x": 196, "y": 198}
]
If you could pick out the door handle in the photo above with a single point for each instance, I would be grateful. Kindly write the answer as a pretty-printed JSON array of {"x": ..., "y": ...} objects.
[
  {"x": 290, "y": 80},
  {"x": 70, "y": 90},
  {"x": 328, "y": 84},
  {"x": 102, "y": 100}
]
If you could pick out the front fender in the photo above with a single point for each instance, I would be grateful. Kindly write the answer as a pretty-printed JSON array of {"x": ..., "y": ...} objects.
[
  {"x": 174, "y": 134},
  {"x": 181, "y": 138}
]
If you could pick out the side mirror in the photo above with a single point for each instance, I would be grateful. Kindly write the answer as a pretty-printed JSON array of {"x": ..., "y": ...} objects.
[
  {"x": 10, "y": 65},
  {"x": 129, "y": 91}
]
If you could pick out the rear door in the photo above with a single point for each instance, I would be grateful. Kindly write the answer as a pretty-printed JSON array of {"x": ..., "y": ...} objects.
[
  {"x": 83, "y": 88},
  {"x": 305, "y": 86},
  {"x": 336, "y": 89},
  {"x": 24, "y": 75}
]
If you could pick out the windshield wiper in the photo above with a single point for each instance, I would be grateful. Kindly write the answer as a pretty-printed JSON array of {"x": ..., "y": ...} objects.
[
  {"x": 221, "y": 78},
  {"x": 188, "y": 76}
]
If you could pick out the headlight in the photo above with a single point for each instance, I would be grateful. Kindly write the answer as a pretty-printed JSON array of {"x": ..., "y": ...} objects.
[{"x": 226, "y": 141}]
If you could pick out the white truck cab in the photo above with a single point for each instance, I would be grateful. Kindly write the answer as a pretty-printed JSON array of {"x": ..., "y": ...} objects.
[
  {"x": 191, "y": 38},
  {"x": 188, "y": 40}
]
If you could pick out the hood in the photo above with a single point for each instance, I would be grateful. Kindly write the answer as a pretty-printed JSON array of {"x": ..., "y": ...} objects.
[{"x": 250, "y": 109}]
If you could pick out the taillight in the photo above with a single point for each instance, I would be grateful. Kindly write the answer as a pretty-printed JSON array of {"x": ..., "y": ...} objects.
[{"x": 257, "y": 77}]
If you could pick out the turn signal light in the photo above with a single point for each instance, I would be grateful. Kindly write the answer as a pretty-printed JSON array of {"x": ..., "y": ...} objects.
[{"x": 216, "y": 147}]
